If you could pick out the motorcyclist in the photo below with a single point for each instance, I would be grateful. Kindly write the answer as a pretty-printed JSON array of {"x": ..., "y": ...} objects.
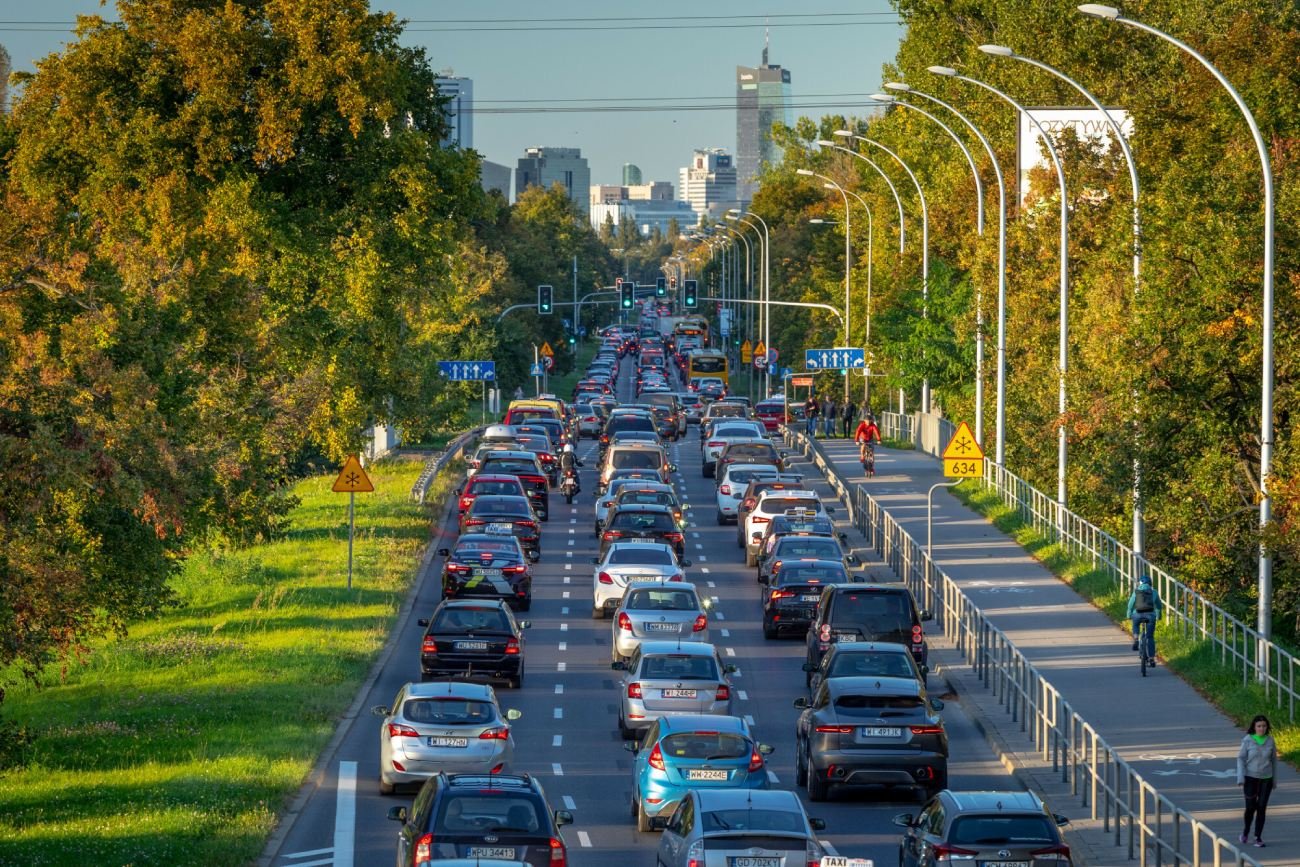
[
  {"x": 569, "y": 464},
  {"x": 1144, "y": 604}
]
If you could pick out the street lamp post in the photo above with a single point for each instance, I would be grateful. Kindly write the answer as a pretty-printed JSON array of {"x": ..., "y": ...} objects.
[
  {"x": 1063, "y": 336},
  {"x": 866, "y": 341},
  {"x": 739, "y": 215},
  {"x": 1265, "y": 614},
  {"x": 848, "y": 256}
]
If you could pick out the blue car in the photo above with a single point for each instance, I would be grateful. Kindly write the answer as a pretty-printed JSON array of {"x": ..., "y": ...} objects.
[{"x": 681, "y": 753}]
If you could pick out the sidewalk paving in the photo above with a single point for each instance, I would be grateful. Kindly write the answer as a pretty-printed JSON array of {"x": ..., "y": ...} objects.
[{"x": 1172, "y": 736}]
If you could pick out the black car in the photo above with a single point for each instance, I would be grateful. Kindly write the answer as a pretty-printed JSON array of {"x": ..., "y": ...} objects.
[
  {"x": 983, "y": 828},
  {"x": 791, "y": 596},
  {"x": 497, "y": 511},
  {"x": 637, "y": 521},
  {"x": 867, "y": 612},
  {"x": 475, "y": 816},
  {"x": 778, "y": 550},
  {"x": 528, "y": 468},
  {"x": 478, "y": 639},
  {"x": 624, "y": 421},
  {"x": 863, "y": 659},
  {"x": 870, "y": 731},
  {"x": 488, "y": 565}
]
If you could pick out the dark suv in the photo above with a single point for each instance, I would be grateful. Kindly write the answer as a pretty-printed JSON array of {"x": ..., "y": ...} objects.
[
  {"x": 867, "y": 612},
  {"x": 637, "y": 521},
  {"x": 479, "y": 816},
  {"x": 474, "y": 639},
  {"x": 983, "y": 828}
]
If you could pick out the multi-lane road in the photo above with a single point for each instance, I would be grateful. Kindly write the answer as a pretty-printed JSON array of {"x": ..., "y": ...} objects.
[{"x": 568, "y": 735}]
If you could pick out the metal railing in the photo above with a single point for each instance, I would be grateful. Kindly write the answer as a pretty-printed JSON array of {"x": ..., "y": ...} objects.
[
  {"x": 435, "y": 464},
  {"x": 1131, "y": 810}
]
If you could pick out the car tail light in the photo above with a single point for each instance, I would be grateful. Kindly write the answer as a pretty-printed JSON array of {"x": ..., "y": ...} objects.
[
  {"x": 634, "y": 690},
  {"x": 716, "y": 444},
  {"x": 776, "y": 567},
  {"x": 458, "y": 569},
  {"x": 605, "y": 578},
  {"x": 429, "y": 645},
  {"x": 948, "y": 852},
  {"x": 695, "y": 854},
  {"x": 401, "y": 731},
  {"x": 725, "y": 489},
  {"x": 500, "y": 733},
  {"x": 781, "y": 594},
  {"x": 424, "y": 849},
  {"x": 673, "y": 537},
  {"x": 624, "y": 622},
  {"x": 474, "y": 522},
  {"x": 755, "y": 760},
  {"x": 701, "y": 624},
  {"x": 612, "y": 534},
  {"x": 917, "y": 635},
  {"x": 832, "y": 730},
  {"x": 824, "y": 634},
  {"x": 748, "y": 504},
  {"x": 758, "y": 519},
  {"x": 531, "y": 525},
  {"x": 656, "y": 759},
  {"x": 723, "y": 693},
  {"x": 559, "y": 857},
  {"x": 927, "y": 730},
  {"x": 812, "y": 854},
  {"x": 466, "y": 502},
  {"x": 678, "y": 577},
  {"x": 515, "y": 570},
  {"x": 1059, "y": 852},
  {"x": 512, "y": 646}
]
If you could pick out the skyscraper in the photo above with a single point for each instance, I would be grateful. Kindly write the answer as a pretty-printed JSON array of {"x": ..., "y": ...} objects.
[
  {"x": 460, "y": 110},
  {"x": 4, "y": 79},
  {"x": 709, "y": 182},
  {"x": 542, "y": 167},
  {"x": 631, "y": 175},
  {"x": 762, "y": 99}
]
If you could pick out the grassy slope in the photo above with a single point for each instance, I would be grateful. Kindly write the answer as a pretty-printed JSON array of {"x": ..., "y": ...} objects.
[{"x": 178, "y": 744}]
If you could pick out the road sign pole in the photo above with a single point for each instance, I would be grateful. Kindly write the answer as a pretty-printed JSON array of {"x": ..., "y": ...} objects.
[
  {"x": 537, "y": 379},
  {"x": 929, "y": 534},
  {"x": 352, "y": 523}
]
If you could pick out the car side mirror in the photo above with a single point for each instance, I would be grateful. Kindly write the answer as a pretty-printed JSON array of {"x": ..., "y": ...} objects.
[
  {"x": 581, "y": 464},
  {"x": 534, "y": 557},
  {"x": 595, "y": 561},
  {"x": 686, "y": 507},
  {"x": 444, "y": 552},
  {"x": 687, "y": 563},
  {"x": 397, "y": 814},
  {"x": 764, "y": 578},
  {"x": 854, "y": 560},
  {"x": 513, "y": 714},
  {"x": 729, "y": 668},
  {"x": 380, "y": 710},
  {"x": 422, "y": 622},
  {"x": 618, "y": 666},
  {"x": 843, "y": 537},
  {"x": 830, "y": 510},
  {"x": 809, "y": 667},
  {"x": 927, "y": 615},
  {"x": 563, "y": 817},
  {"x": 659, "y": 823},
  {"x": 936, "y": 704},
  {"x": 817, "y": 824},
  {"x": 801, "y": 702},
  {"x": 630, "y": 747},
  {"x": 766, "y": 749},
  {"x": 903, "y": 820},
  {"x": 525, "y": 624},
  {"x": 1060, "y": 820}
]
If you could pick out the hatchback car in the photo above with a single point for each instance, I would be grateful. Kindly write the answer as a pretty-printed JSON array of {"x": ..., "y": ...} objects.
[
  {"x": 867, "y": 612},
  {"x": 626, "y": 564},
  {"x": 680, "y": 753},
  {"x": 791, "y": 595},
  {"x": 672, "y": 612},
  {"x": 589, "y": 420},
  {"x": 645, "y": 495},
  {"x": 870, "y": 731},
  {"x": 665, "y": 678},
  {"x": 732, "y": 482},
  {"x": 750, "y": 451},
  {"x": 769, "y": 504},
  {"x": 983, "y": 828},
  {"x": 778, "y": 550},
  {"x": 863, "y": 659},
  {"x": 499, "y": 512},
  {"x": 435, "y": 727},
  {"x": 643, "y": 522},
  {"x": 474, "y": 640},
  {"x": 486, "y": 483},
  {"x": 635, "y": 456},
  {"x": 717, "y": 826},
  {"x": 625, "y": 420},
  {"x": 771, "y": 413},
  {"x": 479, "y": 817},
  {"x": 722, "y": 434},
  {"x": 528, "y": 468},
  {"x": 491, "y": 565}
]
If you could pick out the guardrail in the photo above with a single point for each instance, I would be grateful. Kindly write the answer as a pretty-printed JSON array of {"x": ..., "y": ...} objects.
[
  {"x": 1138, "y": 817},
  {"x": 435, "y": 464}
]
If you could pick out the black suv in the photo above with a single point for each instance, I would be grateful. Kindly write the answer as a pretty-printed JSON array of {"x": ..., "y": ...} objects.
[
  {"x": 1011, "y": 827},
  {"x": 497, "y": 816},
  {"x": 867, "y": 612},
  {"x": 643, "y": 521},
  {"x": 477, "y": 639}
]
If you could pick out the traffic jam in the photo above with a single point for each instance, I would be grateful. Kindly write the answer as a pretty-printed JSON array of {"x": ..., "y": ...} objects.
[{"x": 650, "y": 641}]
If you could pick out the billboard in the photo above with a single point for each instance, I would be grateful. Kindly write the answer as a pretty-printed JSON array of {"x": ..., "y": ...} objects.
[{"x": 1087, "y": 123}]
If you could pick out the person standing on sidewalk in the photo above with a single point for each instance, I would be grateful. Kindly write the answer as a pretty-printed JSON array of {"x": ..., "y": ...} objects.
[
  {"x": 1256, "y": 769},
  {"x": 847, "y": 414},
  {"x": 828, "y": 417},
  {"x": 1144, "y": 605},
  {"x": 810, "y": 409}
]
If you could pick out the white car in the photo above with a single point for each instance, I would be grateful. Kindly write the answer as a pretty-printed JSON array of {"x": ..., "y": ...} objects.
[
  {"x": 771, "y": 503},
  {"x": 630, "y": 564},
  {"x": 724, "y": 432},
  {"x": 658, "y": 612},
  {"x": 731, "y": 487}
]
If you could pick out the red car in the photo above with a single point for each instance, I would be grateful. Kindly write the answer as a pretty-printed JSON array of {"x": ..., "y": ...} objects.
[
  {"x": 771, "y": 413},
  {"x": 486, "y": 483}
]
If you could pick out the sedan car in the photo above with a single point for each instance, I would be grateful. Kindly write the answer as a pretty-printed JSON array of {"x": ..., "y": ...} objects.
[
  {"x": 643, "y": 522},
  {"x": 590, "y": 421},
  {"x": 474, "y": 640},
  {"x": 446, "y": 726},
  {"x": 798, "y": 546},
  {"x": 491, "y": 565},
  {"x": 626, "y": 564},
  {"x": 870, "y": 731},
  {"x": 680, "y": 753},
  {"x": 664, "y": 678},
  {"x": 499, "y": 512},
  {"x": 983, "y": 828},
  {"x": 763, "y": 829},
  {"x": 672, "y": 612}
]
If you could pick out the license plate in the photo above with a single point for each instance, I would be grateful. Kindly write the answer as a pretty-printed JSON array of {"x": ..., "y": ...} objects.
[
  {"x": 642, "y": 579},
  {"x": 471, "y": 645},
  {"x": 489, "y": 573},
  {"x": 849, "y": 635},
  {"x": 880, "y": 732},
  {"x": 500, "y": 528},
  {"x": 661, "y": 627},
  {"x": 679, "y": 693},
  {"x": 754, "y": 861},
  {"x": 1004, "y": 864},
  {"x": 504, "y": 852},
  {"x": 717, "y": 776},
  {"x": 448, "y": 742},
  {"x": 810, "y": 597}
]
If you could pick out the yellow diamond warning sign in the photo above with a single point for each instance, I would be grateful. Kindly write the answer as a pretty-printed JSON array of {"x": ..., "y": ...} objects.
[
  {"x": 352, "y": 479},
  {"x": 547, "y": 350},
  {"x": 963, "y": 458}
]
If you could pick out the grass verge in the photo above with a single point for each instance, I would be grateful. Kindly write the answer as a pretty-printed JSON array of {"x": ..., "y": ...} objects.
[
  {"x": 180, "y": 743},
  {"x": 1195, "y": 661}
]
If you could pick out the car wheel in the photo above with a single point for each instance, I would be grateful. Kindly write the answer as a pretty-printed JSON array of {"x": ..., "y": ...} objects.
[
  {"x": 642, "y": 820},
  {"x": 386, "y": 788},
  {"x": 800, "y": 769},
  {"x": 769, "y": 631},
  {"x": 722, "y": 520},
  {"x": 627, "y": 733},
  {"x": 750, "y": 559},
  {"x": 597, "y": 612},
  {"x": 818, "y": 788},
  {"x": 517, "y": 682}
]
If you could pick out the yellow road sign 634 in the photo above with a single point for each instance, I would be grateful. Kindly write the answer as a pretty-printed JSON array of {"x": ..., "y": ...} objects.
[{"x": 963, "y": 458}]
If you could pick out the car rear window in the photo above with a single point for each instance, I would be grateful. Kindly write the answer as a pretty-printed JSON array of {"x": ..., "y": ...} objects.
[
  {"x": 724, "y": 410},
  {"x": 869, "y": 704},
  {"x": 653, "y": 599},
  {"x": 778, "y": 505},
  {"x": 623, "y": 556},
  {"x": 636, "y": 460},
  {"x": 448, "y": 711},
  {"x": 679, "y": 667},
  {"x": 808, "y": 546},
  {"x": 881, "y": 612},
  {"x": 704, "y": 745},
  {"x": 509, "y": 466},
  {"x": 487, "y": 488},
  {"x": 515, "y": 506},
  {"x": 460, "y": 619},
  {"x": 630, "y": 422},
  {"x": 769, "y": 408},
  {"x": 642, "y": 521},
  {"x": 768, "y": 820},
  {"x": 750, "y": 451},
  {"x": 871, "y": 665},
  {"x": 646, "y": 498},
  {"x": 746, "y": 476},
  {"x": 810, "y": 574},
  {"x": 478, "y": 814},
  {"x": 734, "y": 430},
  {"x": 992, "y": 830}
]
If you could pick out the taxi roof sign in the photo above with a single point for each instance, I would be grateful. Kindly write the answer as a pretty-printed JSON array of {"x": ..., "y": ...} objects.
[
  {"x": 963, "y": 446},
  {"x": 352, "y": 478}
]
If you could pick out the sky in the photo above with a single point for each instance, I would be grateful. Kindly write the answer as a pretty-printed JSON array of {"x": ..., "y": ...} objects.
[{"x": 539, "y": 68}]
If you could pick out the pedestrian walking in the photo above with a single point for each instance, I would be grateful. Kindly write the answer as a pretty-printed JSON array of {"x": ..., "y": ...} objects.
[
  {"x": 829, "y": 415},
  {"x": 1256, "y": 770},
  {"x": 810, "y": 410},
  {"x": 847, "y": 415},
  {"x": 519, "y": 392}
]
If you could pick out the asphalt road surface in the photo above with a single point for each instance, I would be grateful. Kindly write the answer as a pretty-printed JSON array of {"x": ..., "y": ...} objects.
[{"x": 568, "y": 735}]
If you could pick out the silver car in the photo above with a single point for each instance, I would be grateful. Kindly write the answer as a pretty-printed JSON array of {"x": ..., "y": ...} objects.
[
  {"x": 456, "y": 727},
  {"x": 664, "y": 678},
  {"x": 763, "y": 827},
  {"x": 630, "y": 563},
  {"x": 725, "y": 432},
  {"x": 661, "y": 611}
]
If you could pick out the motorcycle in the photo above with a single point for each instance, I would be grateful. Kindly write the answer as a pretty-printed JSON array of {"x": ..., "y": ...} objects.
[{"x": 569, "y": 485}]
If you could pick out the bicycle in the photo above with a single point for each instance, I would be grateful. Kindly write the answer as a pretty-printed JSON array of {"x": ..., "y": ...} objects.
[
  {"x": 1146, "y": 644},
  {"x": 867, "y": 454}
]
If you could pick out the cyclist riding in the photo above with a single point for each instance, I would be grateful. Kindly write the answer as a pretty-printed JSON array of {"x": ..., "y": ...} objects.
[
  {"x": 864, "y": 435},
  {"x": 1144, "y": 606}
]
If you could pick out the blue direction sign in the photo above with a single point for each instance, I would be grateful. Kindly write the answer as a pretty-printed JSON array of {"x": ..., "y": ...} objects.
[
  {"x": 463, "y": 371},
  {"x": 834, "y": 359}
]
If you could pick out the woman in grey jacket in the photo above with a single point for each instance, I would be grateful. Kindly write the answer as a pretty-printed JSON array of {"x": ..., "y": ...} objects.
[{"x": 1256, "y": 768}]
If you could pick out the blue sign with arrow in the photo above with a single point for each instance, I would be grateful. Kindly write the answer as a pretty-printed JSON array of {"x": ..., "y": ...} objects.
[
  {"x": 834, "y": 359},
  {"x": 468, "y": 371}
]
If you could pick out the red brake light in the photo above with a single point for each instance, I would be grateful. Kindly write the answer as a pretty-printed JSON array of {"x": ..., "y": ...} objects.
[
  {"x": 424, "y": 849},
  {"x": 725, "y": 489},
  {"x": 474, "y": 522},
  {"x": 943, "y": 851},
  {"x": 701, "y": 623},
  {"x": 927, "y": 730},
  {"x": 466, "y": 502},
  {"x": 429, "y": 646},
  {"x": 605, "y": 578},
  {"x": 532, "y": 525},
  {"x": 559, "y": 857},
  {"x": 714, "y": 444},
  {"x": 624, "y": 622},
  {"x": 843, "y": 730},
  {"x": 612, "y": 534},
  {"x": 512, "y": 646},
  {"x": 401, "y": 731},
  {"x": 781, "y": 594},
  {"x": 1061, "y": 851},
  {"x": 755, "y": 760},
  {"x": 500, "y": 733},
  {"x": 824, "y": 633},
  {"x": 673, "y": 537},
  {"x": 776, "y": 567},
  {"x": 678, "y": 577},
  {"x": 723, "y": 693},
  {"x": 634, "y": 690},
  {"x": 656, "y": 759}
]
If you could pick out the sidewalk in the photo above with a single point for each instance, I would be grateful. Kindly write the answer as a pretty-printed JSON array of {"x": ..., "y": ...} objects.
[{"x": 1174, "y": 738}]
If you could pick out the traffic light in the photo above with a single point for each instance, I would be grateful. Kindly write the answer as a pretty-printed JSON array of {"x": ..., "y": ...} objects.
[
  {"x": 544, "y": 300},
  {"x": 627, "y": 296},
  {"x": 690, "y": 296},
  {"x": 661, "y": 287}
]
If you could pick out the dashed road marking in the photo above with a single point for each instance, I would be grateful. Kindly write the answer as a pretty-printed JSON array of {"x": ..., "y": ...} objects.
[
  {"x": 345, "y": 813},
  {"x": 720, "y": 615},
  {"x": 557, "y": 740},
  {"x": 564, "y": 645},
  {"x": 731, "y": 651},
  {"x": 711, "y": 584},
  {"x": 585, "y": 839},
  {"x": 569, "y": 803},
  {"x": 557, "y": 769},
  {"x": 726, "y": 633},
  {"x": 564, "y": 610},
  {"x": 771, "y": 776},
  {"x": 565, "y": 595},
  {"x": 749, "y": 720},
  {"x": 564, "y": 627},
  {"x": 561, "y": 666},
  {"x": 699, "y": 547},
  {"x": 740, "y": 694},
  {"x": 559, "y": 689},
  {"x": 558, "y": 713}
]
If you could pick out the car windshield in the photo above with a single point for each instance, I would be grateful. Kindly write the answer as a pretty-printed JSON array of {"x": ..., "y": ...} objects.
[
  {"x": 872, "y": 705},
  {"x": 871, "y": 665},
  {"x": 995, "y": 830},
  {"x": 476, "y": 814},
  {"x": 809, "y": 546},
  {"x": 624, "y": 556},
  {"x": 679, "y": 667},
  {"x": 448, "y": 711},
  {"x": 642, "y": 521},
  {"x": 755, "y": 820},
  {"x": 654, "y": 599},
  {"x": 636, "y": 460},
  {"x": 704, "y": 745},
  {"x": 458, "y": 619}
]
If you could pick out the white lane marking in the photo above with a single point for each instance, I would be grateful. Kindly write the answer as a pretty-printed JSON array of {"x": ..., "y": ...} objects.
[
  {"x": 731, "y": 651},
  {"x": 702, "y": 559},
  {"x": 565, "y": 595},
  {"x": 695, "y": 535},
  {"x": 713, "y": 599},
  {"x": 726, "y": 633},
  {"x": 559, "y": 689},
  {"x": 345, "y": 814},
  {"x": 771, "y": 776},
  {"x": 573, "y": 521},
  {"x": 558, "y": 713},
  {"x": 566, "y": 579},
  {"x": 699, "y": 547},
  {"x": 830, "y": 850},
  {"x": 571, "y": 530},
  {"x": 564, "y": 627},
  {"x": 569, "y": 553},
  {"x": 749, "y": 720},
  {"x": 564, "y": 610},
  {"x": 295, "y": 855},
  {"x": 571, "y": 542},
  {"x": 561, "y": 666},
  {"x": 557, "y": 740},
  {"x": 704, "y": 569},
  {"x": 710, "y": 583},
  {"x": 585, "y": 839},
  {"x": 742, "y": 695},
  {"x": 720, "y": 615},
  {"x": 557, "y": 769},
  {"x": 568, "y": 803},
  {"x": 568, "y": 566},
  {"x": 564, "y": 645}
]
